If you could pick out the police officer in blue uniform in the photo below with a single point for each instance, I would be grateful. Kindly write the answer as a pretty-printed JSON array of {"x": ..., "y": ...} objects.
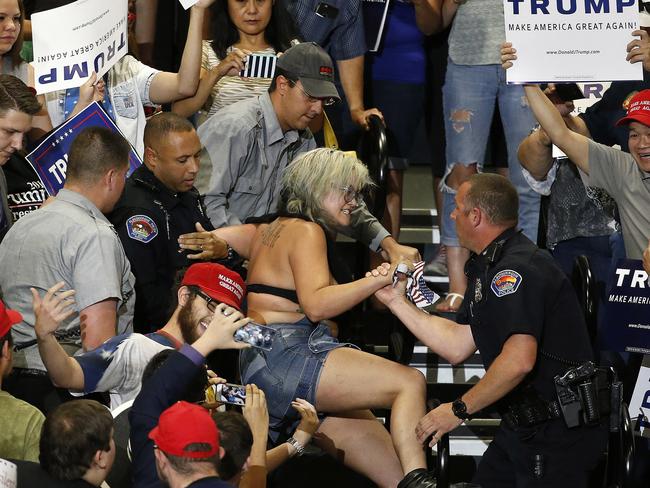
[
  {"x": 522, "y": 313},
  {"x": 158, "y": 205}
]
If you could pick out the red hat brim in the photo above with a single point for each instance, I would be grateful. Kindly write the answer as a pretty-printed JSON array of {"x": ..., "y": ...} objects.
[{"x": 13, "y": 317}]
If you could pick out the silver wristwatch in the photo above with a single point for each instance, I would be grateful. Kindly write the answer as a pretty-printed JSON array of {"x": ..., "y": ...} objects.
[{"x": 300, "y": 449}]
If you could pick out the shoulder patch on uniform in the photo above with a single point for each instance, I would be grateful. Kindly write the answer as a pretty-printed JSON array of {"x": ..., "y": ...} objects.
[
  {"x": 505, "y": 282},
  {"x": 141, "y": 228}
]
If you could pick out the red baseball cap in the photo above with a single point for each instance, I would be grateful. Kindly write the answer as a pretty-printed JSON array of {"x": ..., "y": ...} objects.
[
  {"x": 219, "y": 282},
  {"x": 638, "y": 109},
  {"x": 183, "y": 424},
  {"x": 8, "y": 318}
]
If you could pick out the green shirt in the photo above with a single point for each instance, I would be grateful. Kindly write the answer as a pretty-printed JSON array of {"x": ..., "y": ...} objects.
[{"x": 20, "y": 428}]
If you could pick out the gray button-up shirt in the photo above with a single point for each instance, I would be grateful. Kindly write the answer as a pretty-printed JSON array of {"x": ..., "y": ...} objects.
[
  {"x": 68, "y": 240},
  {"x": 249, "y": 153}
]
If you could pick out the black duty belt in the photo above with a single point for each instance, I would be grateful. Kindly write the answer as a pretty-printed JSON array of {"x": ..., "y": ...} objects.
[
  {"x": 71, "y": 335},
  {"x": 28, "y": 372},
  {"x": 586, "y": 395},
  {"x": 531, "y": 410}
]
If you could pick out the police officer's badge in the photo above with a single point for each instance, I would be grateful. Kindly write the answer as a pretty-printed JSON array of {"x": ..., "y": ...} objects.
[
  {"x": 505, "y": 282},
  {"x": 141, "y": 228},
  {"x": 478, "y": 290}
]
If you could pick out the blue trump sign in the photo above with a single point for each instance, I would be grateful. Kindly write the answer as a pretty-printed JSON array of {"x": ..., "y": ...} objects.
[
  {"x": 50, "y": 158},
  {"x": 627, "y": 308}
]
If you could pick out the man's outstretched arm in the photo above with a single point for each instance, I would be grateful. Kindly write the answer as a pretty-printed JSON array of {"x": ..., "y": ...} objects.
[{"x": 575, "y": 146}]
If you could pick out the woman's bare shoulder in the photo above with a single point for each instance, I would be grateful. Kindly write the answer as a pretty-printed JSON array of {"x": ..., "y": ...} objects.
[
  {"x": 305, "y": 228},
  {"x": 293, "y": 233}
]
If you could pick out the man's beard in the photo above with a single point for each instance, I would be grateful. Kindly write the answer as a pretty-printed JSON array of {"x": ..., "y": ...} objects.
[{"x": 188, "y": 323}]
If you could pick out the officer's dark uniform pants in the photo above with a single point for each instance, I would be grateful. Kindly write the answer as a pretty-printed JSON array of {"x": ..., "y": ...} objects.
[{"x": 547, "y": 455}]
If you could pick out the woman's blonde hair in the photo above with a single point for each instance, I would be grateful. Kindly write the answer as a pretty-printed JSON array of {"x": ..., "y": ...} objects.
[{"x": 313, "y": 175}]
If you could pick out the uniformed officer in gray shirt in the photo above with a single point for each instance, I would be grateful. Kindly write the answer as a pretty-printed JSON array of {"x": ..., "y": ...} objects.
[{"x": 71, "y": 241}]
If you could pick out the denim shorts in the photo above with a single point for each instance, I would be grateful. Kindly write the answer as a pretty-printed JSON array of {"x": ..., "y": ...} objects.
[{"x": 290, "y": 370}]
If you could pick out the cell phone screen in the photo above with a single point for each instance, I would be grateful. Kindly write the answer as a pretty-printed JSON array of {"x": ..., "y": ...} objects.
[
  {"x": 256, "y": 335},
  {"x": 259, "y": 66},
  {"x": 230, "y": 393}
]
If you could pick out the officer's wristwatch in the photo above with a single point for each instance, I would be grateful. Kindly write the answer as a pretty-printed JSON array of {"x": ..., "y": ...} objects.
[{"x": 459, "y": 408}]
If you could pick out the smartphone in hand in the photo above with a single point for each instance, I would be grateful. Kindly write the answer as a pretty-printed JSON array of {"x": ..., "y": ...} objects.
[
  {"x": 230, "y": 393},
  {"x": 256, "y": 335},
  {"x": 259, "y": 66}
]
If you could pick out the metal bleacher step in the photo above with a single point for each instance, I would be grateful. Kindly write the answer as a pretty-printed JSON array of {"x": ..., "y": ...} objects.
[
  {"x": 472, "y": 438},
  {"x": 419, "y": 226},
  {"x": 438, "y": 371},
  {"x": 446, "y": 381}
]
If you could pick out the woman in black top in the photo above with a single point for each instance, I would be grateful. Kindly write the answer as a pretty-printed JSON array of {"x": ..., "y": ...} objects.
[{"x": 293, "y": 290}]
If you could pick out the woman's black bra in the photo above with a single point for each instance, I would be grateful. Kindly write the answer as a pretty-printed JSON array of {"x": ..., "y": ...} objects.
[{"x": 273, "y": 290}]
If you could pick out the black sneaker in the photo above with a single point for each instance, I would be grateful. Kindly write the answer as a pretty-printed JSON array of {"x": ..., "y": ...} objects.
[{"x": 418, "y": 478}]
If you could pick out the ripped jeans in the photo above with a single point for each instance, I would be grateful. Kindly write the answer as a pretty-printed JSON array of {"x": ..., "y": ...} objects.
[{"x": 469, "y": 97}]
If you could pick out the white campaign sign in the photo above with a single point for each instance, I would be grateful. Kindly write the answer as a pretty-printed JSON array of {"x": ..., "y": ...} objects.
[
  {"x": 640, "y": 402},
  {"x": 188, "y": 3},
  {"x": 571, "y": 40},
  {"x": 8, "y": 474},
  {"x": 71, "y": 42}
]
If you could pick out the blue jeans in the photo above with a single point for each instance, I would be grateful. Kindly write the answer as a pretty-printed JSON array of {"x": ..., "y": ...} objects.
[
  {"x": 469, "y": 96},
  {"x": 290, "y": 370}
]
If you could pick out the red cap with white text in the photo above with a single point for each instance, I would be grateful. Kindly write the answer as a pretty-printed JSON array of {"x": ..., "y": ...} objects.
[
  {"x": 219, "y": 282},
  {"x": 638, "y": 109}
]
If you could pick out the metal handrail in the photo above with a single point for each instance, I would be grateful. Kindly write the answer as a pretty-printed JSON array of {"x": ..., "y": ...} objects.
[{"x": 374, "y": 154}]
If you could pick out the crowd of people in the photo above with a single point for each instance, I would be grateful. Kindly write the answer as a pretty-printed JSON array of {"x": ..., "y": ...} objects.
[{"x": 128, "y": 289}]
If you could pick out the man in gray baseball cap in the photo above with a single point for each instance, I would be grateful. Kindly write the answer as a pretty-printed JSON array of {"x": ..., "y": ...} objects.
[
  {"x": 251, "y": 142},
  {"x": 310, "y": 64}
]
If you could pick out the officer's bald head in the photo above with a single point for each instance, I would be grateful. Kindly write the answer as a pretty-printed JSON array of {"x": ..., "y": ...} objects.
[
  {"x": 161, "y": 125},
  {"x": 495, "y": 196}
]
